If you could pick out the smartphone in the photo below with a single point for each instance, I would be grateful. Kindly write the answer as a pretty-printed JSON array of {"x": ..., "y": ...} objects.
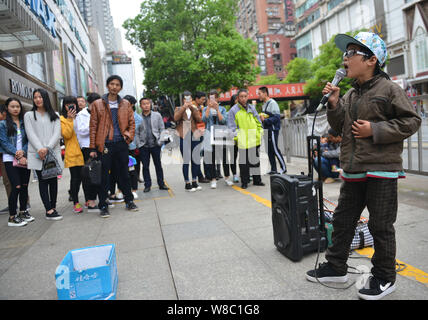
[
  {"x": 212, "y": 97},
  {"x": 72, "y": 107},
  {"x": 188, "y": 98}
]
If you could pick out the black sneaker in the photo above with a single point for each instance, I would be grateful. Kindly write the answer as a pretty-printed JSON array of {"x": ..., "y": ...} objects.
[
  {"x": 26, "y": 216},
  {"x": 104, "y": 212},
  {"x": 375, "y": 289},
  {"x": 16, "y": 221},
  {"x": 196, "y": 186},
  {"x": 115, "y": 199},
  {"x": 325, "y": 273},
  {"x": 93, "y": 209},
  {"x": 53, "y": 216},
  {"x": 130, "y": 206},
  {"x": 189, "y": 188}
]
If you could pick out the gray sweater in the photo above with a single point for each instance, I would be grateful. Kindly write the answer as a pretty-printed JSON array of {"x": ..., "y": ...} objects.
[{"x": 42, "y": 133}]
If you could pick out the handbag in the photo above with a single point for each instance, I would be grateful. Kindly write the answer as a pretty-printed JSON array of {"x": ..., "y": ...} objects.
[
  {"x": 50, "y": 167},
  {"x": 16, "y": 163},
  {"x": 92, "y": 171},
  {"x": 362, "y": 237}
]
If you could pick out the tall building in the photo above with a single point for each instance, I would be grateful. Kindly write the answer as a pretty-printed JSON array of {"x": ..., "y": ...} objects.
[
  {"x": 44, "y": 44},
  {"x": 270, "y": 24},
  {"x": 96, "y": 13},
  {"x": 402, "y": 24}
]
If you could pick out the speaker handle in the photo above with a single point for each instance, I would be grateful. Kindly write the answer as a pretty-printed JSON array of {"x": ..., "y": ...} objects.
[{"x": 311, "y": 173}]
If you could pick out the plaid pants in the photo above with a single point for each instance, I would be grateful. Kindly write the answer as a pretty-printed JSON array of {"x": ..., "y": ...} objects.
[{"x": 380, "y": 197}]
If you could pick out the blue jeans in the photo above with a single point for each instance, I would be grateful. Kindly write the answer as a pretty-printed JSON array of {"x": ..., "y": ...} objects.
[
  {"x": 326, "y": 167},
  {"x": 187, "y": 145}
]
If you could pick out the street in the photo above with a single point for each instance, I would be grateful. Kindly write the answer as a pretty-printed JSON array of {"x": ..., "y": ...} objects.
[{"x": 211, "y": 244}]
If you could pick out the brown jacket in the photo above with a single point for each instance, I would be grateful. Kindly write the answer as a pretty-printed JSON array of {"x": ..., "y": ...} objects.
[
  {"x": 101, "y": 123},
  {"x": 185, "y": 123},
  {"x": 393, "y": 119}
]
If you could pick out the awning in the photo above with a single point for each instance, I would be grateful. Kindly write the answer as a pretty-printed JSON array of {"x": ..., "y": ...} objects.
[
  {"x": 21, "y": 31},
  {"x": 418, "y": 79}
]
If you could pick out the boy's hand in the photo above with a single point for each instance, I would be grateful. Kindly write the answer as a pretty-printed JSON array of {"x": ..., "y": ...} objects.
[
  {"x": 362, "y": 129},
  {"x": 335, "y": 92}
]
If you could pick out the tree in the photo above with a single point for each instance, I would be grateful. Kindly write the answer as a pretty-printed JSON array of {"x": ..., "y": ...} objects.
[
  {"x": 298, "y": 70},
  {"x": 191, "y": 45}
]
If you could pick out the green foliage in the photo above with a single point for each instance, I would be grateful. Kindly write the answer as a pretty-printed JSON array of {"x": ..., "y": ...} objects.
[
  {"x": 298, "y": 70},
  {"x": 191, "y": 45},
  {"x": 269, "y": 79}
]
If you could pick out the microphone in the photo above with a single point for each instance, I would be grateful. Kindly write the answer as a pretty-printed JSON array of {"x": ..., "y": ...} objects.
[{"x": 340, "y": 74}]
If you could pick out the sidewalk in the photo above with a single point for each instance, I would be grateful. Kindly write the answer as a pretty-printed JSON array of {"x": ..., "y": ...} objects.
[{"x": 212, "y": 244}]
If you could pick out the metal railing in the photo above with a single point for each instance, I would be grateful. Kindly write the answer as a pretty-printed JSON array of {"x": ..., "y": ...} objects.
[{"x": 295, "y": 131}]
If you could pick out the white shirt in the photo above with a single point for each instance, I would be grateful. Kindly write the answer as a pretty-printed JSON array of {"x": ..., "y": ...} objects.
[
  {"x": 8, "y": 157},
  {"x": 81, "y": 127}
]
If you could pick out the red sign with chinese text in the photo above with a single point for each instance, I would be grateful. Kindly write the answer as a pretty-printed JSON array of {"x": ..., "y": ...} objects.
[{"x": 292, "y": 90}]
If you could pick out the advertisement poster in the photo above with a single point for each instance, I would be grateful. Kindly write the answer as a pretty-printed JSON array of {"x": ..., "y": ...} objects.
[
  {"x": 57, "y": 64},
  {"x": 73, "y": 74}
]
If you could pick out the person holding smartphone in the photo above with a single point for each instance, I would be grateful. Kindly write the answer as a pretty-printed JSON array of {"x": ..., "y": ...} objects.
[
  {"x": 214, "y": 114},
  {"x": 73, "y": 158},
  {"x": 186, "y": 117}
]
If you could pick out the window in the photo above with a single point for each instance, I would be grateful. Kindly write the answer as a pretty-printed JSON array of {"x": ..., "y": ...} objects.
[{"x": 421, "y": 51}]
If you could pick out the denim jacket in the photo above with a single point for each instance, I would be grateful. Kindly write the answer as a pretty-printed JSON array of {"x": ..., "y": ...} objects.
[{"x": 8, "y": 143}]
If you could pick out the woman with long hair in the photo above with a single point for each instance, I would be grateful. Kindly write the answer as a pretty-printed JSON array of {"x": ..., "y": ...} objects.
[
  {"x": 44, "y": 132},
  {"x": 14, "y": 146},
  {"x": 73, "y": 158}
]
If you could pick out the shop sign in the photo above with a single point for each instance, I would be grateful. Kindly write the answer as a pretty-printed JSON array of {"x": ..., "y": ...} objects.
[
  {"x": 21, "y": 90},
  {"x": 44, "y": 13}
]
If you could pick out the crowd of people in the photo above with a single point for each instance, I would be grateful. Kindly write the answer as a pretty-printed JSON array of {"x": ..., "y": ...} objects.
[{"x": 109, "y": 131}]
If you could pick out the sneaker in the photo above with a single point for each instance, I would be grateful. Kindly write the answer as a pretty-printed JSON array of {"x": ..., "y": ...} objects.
[
  {"x": 325, "y": 273},
  {"x": 53, "y": 216},
  {"x": 104, "y": 212},
  {"x": 26, "y": 216},
  {"x": 119, "y": 195},
  {"x": 115, "y": 199},
  {"x": 196, "y": 186},
  {"x": 16, "y": 221},
  {"x": 135, "y": 195},
  {"x": 189, "y": 188},
  {"x": 93, "y": 209},
  {"x": 130, "y": 206},
  {"x": 228, "y": 182},
  {"x": 77, "y": 208},
  {"x": 375, "y": 289},
  {"x": 213, "y": 184},
  {"x": 236, "y": 178},
  {"x": 110, "y": 204}
]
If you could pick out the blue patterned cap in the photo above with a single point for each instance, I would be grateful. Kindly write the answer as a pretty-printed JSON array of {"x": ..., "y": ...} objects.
[{"x": 370, "y": 40}]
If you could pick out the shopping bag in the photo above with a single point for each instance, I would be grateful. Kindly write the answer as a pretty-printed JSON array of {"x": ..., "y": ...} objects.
[{"x": 50, "y": 167}]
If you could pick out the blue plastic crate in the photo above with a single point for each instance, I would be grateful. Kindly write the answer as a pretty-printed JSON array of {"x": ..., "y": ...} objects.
[{"x": 88, "y": 274}]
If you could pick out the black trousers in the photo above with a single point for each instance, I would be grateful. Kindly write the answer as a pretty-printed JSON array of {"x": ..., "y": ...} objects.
[
  {"x": 115, "y": 161},
  {"x": 155, "y": 153},
  {"x": 18, "y": 178},
  {"x": 274, "y": 152},
  {"x": 380, "y": 198},
  {"x": 75, "y": 181},
  {"x": 48, "y": 190},
  {"x": 134, "y": 174},
  {"x": 249, "y": 164}
]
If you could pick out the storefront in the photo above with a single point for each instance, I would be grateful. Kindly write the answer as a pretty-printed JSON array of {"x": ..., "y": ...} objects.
[{"x": 43, "y": 44}]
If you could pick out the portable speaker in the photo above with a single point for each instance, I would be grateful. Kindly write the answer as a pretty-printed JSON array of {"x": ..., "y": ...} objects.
[{"x": 295, "y": 216}]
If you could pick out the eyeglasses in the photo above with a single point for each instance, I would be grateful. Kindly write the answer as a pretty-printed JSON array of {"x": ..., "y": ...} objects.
[{"x": 353, "y": 52}]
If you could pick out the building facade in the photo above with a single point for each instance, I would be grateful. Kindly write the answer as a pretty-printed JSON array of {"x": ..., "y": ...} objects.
[
  {"x": 118, "y": 62},
  {"x": 402, "y": 24},
  {"x": 270, "y": 24},
  {"x": 96, "y": 13},
  {"x": 44, "y": 43}
]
